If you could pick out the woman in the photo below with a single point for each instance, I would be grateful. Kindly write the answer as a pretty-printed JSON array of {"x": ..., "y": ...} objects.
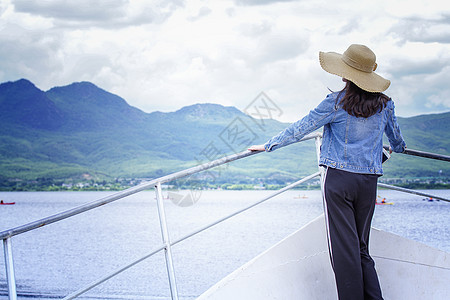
[{"x": 354, "y": 120}]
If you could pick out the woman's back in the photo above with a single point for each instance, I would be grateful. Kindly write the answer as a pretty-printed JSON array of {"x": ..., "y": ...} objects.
[{"x": 353, "y": 143}]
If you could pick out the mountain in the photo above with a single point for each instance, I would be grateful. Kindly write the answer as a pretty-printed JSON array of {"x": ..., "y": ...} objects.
[
  {"x": 429, "y": 133},
  {"x": 87, "y": 130},
  {"x": 82, "y": 130},
  {"x": 89, "y": 108},
  {"x": 22, "y": 104}
]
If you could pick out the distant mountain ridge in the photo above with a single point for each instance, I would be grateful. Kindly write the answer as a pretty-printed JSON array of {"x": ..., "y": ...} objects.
[
  {"x": 36, "y": 109},
  {"x": 82, "y": 129}
]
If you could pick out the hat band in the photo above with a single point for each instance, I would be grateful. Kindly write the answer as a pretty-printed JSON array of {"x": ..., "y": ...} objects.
[{"x": 354, "y": 64}]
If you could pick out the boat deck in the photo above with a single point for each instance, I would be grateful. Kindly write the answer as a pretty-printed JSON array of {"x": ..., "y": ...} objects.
[{"x": 299, "y": 268}]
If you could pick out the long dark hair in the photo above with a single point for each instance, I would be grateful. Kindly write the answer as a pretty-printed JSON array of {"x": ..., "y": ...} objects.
[{"x": 360, "y": 103}]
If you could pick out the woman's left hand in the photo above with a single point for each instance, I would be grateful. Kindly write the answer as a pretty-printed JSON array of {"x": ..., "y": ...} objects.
[{"x": 257, "y": 148}]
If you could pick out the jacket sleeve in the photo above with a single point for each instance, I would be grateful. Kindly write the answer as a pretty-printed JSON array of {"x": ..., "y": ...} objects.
[
  {"x": 392, "y": 130},
  {"x": 324, "y": 113}
]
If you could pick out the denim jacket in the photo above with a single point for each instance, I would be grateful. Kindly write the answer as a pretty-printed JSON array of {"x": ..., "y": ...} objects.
[{"x": 349, "y": 143}]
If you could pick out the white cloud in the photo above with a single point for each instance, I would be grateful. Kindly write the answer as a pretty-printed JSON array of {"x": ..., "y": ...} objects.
[
  {"x": 162, "y": 55},
  {"x": 260, "y": 2},
  {"x": 428, "y": 9},
  {"x": 81, "y": 10}
]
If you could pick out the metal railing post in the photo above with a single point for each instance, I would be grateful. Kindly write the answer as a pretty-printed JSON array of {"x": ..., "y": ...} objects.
[
  {"x": 9, "y": 265},
  {"x": 166, "y": 242}
]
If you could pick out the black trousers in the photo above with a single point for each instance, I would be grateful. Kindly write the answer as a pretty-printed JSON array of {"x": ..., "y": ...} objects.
[{"x": 350, "y": 203}]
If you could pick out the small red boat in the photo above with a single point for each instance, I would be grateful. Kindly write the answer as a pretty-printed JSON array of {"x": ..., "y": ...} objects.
[{"x": 6, "y": 203}]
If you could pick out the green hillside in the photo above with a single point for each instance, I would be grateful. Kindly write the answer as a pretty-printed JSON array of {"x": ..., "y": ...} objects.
[{"x": 80, "y": 132}]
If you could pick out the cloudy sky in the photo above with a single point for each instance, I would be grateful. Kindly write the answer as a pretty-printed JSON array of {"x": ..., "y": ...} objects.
[{"x": 166, "y": 54}]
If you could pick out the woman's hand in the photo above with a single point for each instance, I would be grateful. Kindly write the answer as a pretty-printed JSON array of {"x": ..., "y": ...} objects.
[
  {"x": 257, "y": 148},
  {"x": 390, "y": 149}
]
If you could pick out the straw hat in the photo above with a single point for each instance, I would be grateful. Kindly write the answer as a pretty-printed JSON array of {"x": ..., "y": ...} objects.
[{"x": 357, "y": 64}]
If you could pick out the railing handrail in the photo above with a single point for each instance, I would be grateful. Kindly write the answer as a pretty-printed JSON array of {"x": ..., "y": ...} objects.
[
  {"x": 119, "y": 195},
  {"x": 130, "y": 191},
  {"x": 405, "y": 190},
  {"x": 149, "y": 184},
  {"x": 423, "y": 154}
]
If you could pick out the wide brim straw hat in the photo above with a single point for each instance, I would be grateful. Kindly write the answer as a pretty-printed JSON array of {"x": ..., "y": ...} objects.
[{"x": 356, "y": 64}]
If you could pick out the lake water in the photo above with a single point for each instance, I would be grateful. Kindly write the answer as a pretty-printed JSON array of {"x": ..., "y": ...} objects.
[{"x": 60, "y": 258}]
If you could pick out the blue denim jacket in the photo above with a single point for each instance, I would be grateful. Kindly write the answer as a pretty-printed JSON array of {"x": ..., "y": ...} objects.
[{"x": 349, "y": 143}]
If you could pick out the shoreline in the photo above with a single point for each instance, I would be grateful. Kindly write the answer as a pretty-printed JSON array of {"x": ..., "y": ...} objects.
[{"x": 218, "y": 187}]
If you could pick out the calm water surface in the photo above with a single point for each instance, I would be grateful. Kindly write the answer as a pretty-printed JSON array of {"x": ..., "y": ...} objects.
[{"x": 60, "y": 258}]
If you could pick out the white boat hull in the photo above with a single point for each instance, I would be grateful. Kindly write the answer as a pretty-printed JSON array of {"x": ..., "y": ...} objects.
[{"x": 299, "y": 267}]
